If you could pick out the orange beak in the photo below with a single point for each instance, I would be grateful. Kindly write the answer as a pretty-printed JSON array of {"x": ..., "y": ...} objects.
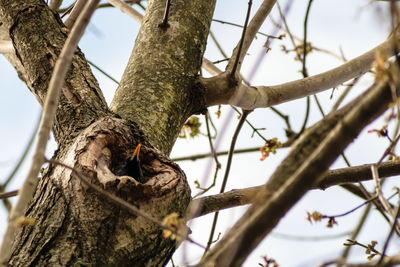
[{"x": 136, "y": 152}]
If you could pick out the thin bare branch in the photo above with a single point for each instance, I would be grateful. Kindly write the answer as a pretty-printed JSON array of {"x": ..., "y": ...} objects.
[
  {"x": 392, "y": 230},
  {"x": 236, "y": 67},
  {"x": 164, "y": 24},
  {"x": 219, "y": 92},
  {"x": 9, "y": 194},
  {"x": 239, "y": 197},
  {"x": 226, "y": 175},
  {"x": 356, "y": 231},
  {"x": 378, "y": 191},
  {"x": 221, "y": 153},
  {"x": 251, "y": 32}
]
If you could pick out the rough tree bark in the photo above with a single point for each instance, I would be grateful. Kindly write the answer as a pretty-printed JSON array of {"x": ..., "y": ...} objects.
[{"x": 158, "y": 92}]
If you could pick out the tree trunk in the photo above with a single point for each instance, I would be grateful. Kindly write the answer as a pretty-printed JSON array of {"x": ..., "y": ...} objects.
[{"x": 73, "y": 223}]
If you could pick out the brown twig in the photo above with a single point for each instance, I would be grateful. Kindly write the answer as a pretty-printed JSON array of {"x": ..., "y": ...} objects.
[
  {"x": 164, "y": 24},
  {"x": 226, "y": 175},
  {"x": 215, "y": 156},
  {"x": 251, "y": 32},
  {"x": 9, "y": 194},
  {"x": 221, "y": 153},
  {"x": 237, "y": 57},
  {"x": 356, "y": 231},
  {"x": 392, "y": 230}
]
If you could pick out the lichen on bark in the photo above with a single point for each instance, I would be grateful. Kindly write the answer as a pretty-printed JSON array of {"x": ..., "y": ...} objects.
[{"x": 158, "y": 88}]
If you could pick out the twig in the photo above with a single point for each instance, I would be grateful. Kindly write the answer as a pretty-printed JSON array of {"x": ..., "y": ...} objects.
[
  {"x": 9, "y": 194},
  {"x": 49, "y": 111},
  {"x": 308, "y": 238},
  {"x": 207, "y": 117},
  {"x": 221, "y": 153},
  {"x": 205, "y": 190},
  {"x": 379, "y": 194},
  {"x": 164, "y": 24},
  {"x": 304, "y": 125},
  {"x": 354, "y": 242},
  {"x": 255, "y": 130},
  {"x": 215, "y": 156},
  {"x": 294, "y": 37},
  {"x": 251, "y": 32},
  {"x": 352, "y": 210},
  {"x": 392, "y": 230},
  {"x": 287, "y": 30},
  {"x": 390, "y": 148},
  {"x": 232, "y": 148},
  {"x": 237, "y": 56},
  {"x": 102, "y": 71},
  {"x": 289, "y": 131},
  {"x": 3, "y": 186},
  {"x": 240, "y": 26},
  {"x": 130, "y": 2},
  {"x": 226, "y": 175},
  {"x": 356, "y": 231},
  {"x": 321, "y": 110},
  {"x": 304, "y": 69},
  {"x": 67, "y": 10}
]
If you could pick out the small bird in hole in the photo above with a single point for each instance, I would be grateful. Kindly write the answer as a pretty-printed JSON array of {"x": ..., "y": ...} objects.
[{"x": 133, "y": 166}]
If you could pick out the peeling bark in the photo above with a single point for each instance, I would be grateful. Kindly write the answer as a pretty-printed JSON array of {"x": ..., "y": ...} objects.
[{"x": 75, "y": 225}]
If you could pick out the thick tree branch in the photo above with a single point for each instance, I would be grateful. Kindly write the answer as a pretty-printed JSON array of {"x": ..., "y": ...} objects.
[
  {"x": 307, "y": 161},
  {"x": 239, "y": 197},
  {"x": 219, "y": 91},
  {"x": 38, "y": 35}
]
